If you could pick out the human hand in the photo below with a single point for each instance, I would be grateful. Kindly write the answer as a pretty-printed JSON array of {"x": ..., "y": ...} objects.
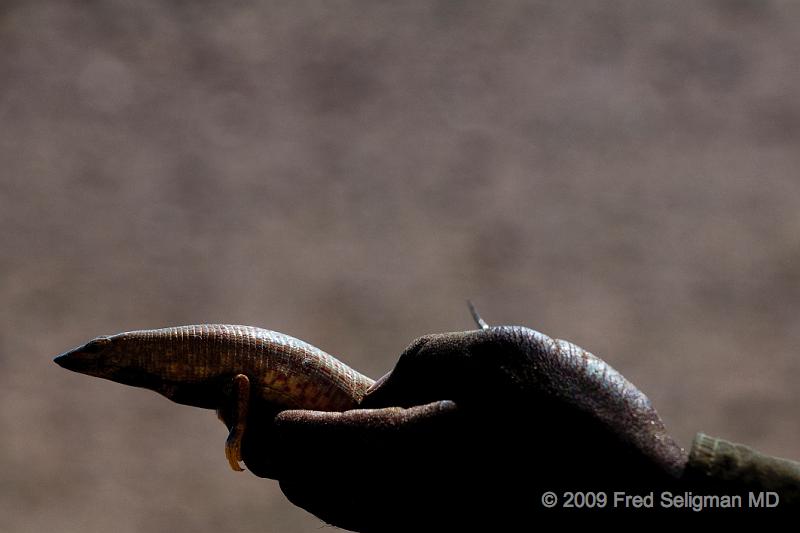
[{"x": 469, "y": 428}]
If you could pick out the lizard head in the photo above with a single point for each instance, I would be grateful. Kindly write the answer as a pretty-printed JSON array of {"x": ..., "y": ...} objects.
[
  {"x": 104, "y": 357},
  {"x": 137, "y": 359}
]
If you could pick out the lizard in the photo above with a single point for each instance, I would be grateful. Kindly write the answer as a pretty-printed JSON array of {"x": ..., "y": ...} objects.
[
  {"x": 214, "y": 365},
  {"x": 229, "y": 368}
]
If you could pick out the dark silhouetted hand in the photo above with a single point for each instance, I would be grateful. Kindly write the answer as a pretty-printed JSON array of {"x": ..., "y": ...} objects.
[{"x": 469, "y": 429}]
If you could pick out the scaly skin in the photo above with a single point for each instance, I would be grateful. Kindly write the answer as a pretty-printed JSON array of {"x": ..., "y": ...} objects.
[{"x": 208, "y": 365}]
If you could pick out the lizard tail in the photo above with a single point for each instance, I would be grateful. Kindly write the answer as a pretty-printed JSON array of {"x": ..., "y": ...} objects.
[{"x": 476, "y": 317}]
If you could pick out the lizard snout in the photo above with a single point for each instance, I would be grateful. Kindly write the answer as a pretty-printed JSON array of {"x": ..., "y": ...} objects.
[
  {"x": 72, "y": 360},
  {"x": 84, "y": 359}
]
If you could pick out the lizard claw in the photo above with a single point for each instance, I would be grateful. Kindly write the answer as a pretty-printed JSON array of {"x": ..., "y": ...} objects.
[
  {"x": 233, "y": 445},
  {"x": 233, "y": 450}
]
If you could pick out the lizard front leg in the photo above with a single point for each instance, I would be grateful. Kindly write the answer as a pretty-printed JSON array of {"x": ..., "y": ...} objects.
[{"x": 240, "y": 398}]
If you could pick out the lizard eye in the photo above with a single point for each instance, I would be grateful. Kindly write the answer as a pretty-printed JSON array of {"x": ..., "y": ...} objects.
[{"x": 96, "y": 345}]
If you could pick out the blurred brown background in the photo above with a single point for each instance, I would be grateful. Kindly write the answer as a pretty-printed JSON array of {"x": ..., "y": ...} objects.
[{"x": 620, "y": 174}]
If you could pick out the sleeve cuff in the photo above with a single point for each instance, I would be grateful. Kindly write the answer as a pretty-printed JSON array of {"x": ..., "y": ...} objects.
[{"x": 730, "y": 466}]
